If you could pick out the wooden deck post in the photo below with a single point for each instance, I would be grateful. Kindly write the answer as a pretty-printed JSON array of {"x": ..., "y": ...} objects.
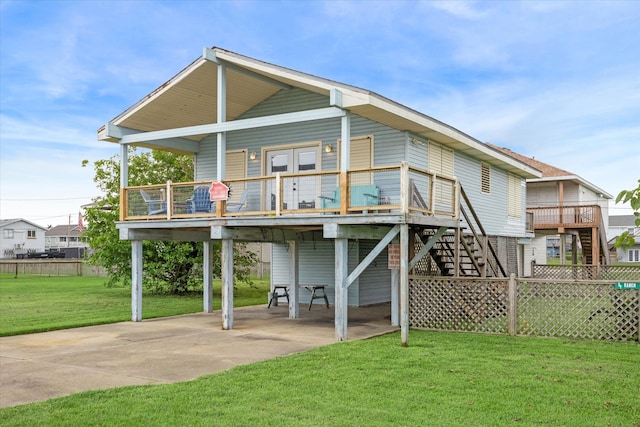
[
  {"x": 136, "y": 280},
  {"x": 395, "y": 289},
  {"x": 341, "y": 290},
  {"x": 207, "y": 285},
  {"x": 294, "y": 294},
  {"x": 404, "y": 284},
  {"x": 227, "y": 284}
]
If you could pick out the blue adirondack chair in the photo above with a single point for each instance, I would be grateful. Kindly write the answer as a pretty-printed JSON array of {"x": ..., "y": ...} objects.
[{"x": 200, "y": 201}]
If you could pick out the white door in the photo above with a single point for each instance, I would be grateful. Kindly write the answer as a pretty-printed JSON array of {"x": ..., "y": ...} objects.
[{"x": 298, "y": 192}]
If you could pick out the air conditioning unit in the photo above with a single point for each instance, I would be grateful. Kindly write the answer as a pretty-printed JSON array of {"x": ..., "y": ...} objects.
[{"x": 18, "y": 245}]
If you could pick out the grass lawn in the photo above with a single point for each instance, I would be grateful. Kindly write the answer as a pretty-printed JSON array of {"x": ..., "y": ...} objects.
[
  {"x": 31, "y": 304},
  {"x": 441, "y": 379}
]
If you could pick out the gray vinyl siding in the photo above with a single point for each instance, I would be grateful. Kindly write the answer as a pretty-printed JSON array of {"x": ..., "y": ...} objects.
[
  {"x": 316, "y": 264},
  {"x": 389, "y": 144},
  {"x": 375, "y": 281},
  {"x": 492, "y": 208}
]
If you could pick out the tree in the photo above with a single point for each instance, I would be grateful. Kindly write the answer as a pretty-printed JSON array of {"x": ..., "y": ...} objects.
[
  {"x": 169, "y": 267},
  {"x": 632, "y": 197}
]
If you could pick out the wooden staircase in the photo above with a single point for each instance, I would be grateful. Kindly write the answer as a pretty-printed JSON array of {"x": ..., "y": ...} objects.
[{"x": 460, "y": 253}]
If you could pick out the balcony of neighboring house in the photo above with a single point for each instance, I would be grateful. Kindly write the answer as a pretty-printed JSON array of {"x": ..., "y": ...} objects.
[
  {"x": 565, "y": 217},
  {"x": 584, "y": 221},
  {"x": 398, "y": 190}
]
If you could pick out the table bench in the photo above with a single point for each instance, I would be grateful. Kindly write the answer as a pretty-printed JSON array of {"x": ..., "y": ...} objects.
[
  {"x": 277, "y": 294},
  {"x": 314, "y": 295}
]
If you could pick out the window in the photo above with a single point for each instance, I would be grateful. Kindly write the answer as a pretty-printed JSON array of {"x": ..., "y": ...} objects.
[
  {"x": 634, "y": 255},
  {"x": 514, "y": 191},
  {"x": 485, "y": 177},
  {"x": 31, "y": 234},
  {"x": 7, "y": 233}
]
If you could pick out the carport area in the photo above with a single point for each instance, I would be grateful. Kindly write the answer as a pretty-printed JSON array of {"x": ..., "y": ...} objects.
[{"x": 41, "y": 366}]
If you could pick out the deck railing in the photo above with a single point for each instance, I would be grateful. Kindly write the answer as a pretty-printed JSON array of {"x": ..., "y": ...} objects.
[
  {"x": 378, "y": 190},
  {"x": 581, "y": 216}
]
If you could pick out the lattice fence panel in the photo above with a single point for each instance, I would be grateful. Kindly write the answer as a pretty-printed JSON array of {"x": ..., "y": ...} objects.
[
  {"x": 577, "y": 310},
  {"x": 585, "y": 272},
  {"x": 478, "y": 305}
]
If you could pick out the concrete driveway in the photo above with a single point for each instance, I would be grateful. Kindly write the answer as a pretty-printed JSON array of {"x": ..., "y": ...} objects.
[{"x": 41, "y": 366}]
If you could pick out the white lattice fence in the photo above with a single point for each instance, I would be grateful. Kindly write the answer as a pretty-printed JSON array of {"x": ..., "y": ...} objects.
[
  {"x": 477, "y": 305},
  {"x": 545, "y": 308}
]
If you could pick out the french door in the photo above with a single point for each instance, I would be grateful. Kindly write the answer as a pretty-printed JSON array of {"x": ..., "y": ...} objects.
[{"x": 297, "y": 192}]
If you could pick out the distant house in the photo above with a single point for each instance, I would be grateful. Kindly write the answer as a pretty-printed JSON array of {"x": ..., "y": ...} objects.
[
  {"x": 66, "y": 238},
  {"x": 618, "y": 224},
  {"x": 563, "y": 206},
  {"x": 20, "y": 237}
]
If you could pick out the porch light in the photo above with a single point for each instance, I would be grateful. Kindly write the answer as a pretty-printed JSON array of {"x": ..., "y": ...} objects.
[
  {"x": 328, "y": 148},
  {"x": 253, "y": 155}
]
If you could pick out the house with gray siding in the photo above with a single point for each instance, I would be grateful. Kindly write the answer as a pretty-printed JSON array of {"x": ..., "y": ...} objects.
[{"x": 333, "y": 176}]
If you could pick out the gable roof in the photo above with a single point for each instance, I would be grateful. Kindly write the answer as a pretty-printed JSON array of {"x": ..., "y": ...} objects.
[
  {"x": 63, "y": 230},
  {"x": 11, "y": 221},
  {"x": 550, "y": 172},
  {"x": 190, "y": 99}
]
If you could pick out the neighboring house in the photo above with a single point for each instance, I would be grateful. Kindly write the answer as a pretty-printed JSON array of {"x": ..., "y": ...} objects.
[
  {"x": 330, "y": 174},
  {"x": 562, "y": 205},
  {"x": 618, "y": 224},
  {"x": 66, "y": 238},
  {"x": 20, "y": 237}
]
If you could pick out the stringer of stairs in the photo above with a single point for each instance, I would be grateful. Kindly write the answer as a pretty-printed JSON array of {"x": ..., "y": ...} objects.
[{"x": 465, "y": 252}]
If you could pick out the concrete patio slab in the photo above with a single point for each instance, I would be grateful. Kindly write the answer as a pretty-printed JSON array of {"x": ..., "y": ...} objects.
[{"x": 41, "y": 366}]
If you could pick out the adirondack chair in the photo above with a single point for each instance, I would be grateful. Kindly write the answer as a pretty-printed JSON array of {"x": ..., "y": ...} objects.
[
  {"x": 154, "y": 206},
  {"x": 361, "y": 195},
  {"x": 238, "y": 206},
  {"x": 200, "y": 201}
]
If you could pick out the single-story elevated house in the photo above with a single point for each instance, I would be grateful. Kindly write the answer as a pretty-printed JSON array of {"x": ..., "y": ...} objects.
[{"x": 353, "y": 190}]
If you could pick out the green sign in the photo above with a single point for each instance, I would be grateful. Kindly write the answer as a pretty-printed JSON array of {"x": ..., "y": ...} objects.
[{"x": 627, "y": 285}]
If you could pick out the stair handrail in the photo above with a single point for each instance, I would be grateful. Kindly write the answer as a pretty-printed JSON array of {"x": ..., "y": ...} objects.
[{"x": 482, "y": 231}]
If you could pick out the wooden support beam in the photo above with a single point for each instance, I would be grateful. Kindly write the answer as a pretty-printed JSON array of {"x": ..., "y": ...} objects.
[
  {"x": 371, "y": 256},
  {"x": 136, "y": 280},
  {"x": 404, "y": 284},
  {"x": 230, "y": 126},
  {"x": 177, "y": 235},
  {"x": 207, "y": 273},
  {"x": 366, "y": 232},
  {"x": 261, "y": 234},
  {"x": 227, "y": 284},
  {"x": 395, "y": 295},
  {"x": 294, "y": 294},
  {"x": 427, "y": 247},
  {"x": 341, "y": 290}
]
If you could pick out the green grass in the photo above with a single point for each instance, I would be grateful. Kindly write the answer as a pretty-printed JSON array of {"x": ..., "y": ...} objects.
[
  {"x": 441, "y": 379},
  {"x": 31, "y": 304}
]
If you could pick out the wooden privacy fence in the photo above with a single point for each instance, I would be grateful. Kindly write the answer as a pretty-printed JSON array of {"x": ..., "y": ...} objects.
[
  {"x": 51, "y": 267},
  {"x": 591, "y": 309}
]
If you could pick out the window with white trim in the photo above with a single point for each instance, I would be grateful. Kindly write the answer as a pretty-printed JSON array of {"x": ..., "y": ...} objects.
[
  {"x": 31, "y": 234},
  {"x": 7, "y": 233},
  {"x": 634, "y": 255}
]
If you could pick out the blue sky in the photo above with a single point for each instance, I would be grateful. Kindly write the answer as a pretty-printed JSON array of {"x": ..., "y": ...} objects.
[{"x": 556, "y": 80}]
